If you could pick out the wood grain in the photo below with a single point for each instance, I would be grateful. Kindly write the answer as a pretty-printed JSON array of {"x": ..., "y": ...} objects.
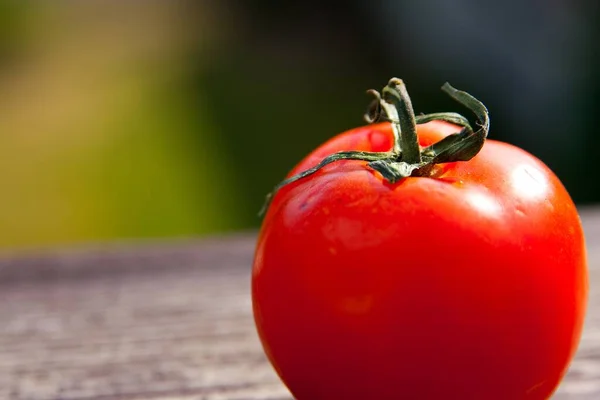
[{"x": 169, "y": 321}]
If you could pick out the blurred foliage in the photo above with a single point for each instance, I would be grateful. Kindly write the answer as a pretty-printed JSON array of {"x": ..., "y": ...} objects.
[
  {"x": 102, "y": 137},
  {"x": 126, "y": 120}
]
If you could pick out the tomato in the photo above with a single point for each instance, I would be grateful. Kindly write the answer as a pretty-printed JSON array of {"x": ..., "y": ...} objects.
[{"x": 467, "y": 282}]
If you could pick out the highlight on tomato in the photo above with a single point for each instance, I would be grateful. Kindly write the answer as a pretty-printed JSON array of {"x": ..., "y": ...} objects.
[{"x": 413, "y": 258}]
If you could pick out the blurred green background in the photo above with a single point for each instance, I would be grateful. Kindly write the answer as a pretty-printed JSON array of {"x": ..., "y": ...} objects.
[{"x": 161, "y": 119}]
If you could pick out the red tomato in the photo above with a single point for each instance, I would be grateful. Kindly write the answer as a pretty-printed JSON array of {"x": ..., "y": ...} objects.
[{"x": 468, "y": 283}]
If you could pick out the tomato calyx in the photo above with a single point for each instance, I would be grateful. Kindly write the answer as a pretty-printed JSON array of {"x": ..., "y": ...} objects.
[{"x": 407, "y": 158}]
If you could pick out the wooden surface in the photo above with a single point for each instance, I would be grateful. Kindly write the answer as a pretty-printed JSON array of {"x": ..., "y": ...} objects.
[{"x": 168, "y": 322}]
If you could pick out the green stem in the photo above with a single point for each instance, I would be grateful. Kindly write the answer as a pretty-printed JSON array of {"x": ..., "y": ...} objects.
[
  {"x": 467, "y": 143},
  {"x": 395, "y": 94},
  {"x": 342, "y": 155},
  {"x": 406, "y": 157},
  {"x": 451, "y": 117},
  {"x": 476, "y": 107}
]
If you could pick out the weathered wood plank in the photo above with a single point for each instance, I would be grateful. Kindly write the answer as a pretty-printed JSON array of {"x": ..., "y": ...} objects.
[
  {"x": 179, "y": 334},
  {"x": 168, "y": 322}
]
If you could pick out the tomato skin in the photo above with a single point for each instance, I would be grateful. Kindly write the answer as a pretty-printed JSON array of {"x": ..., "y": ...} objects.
[{"x": 470, "y": 284}]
